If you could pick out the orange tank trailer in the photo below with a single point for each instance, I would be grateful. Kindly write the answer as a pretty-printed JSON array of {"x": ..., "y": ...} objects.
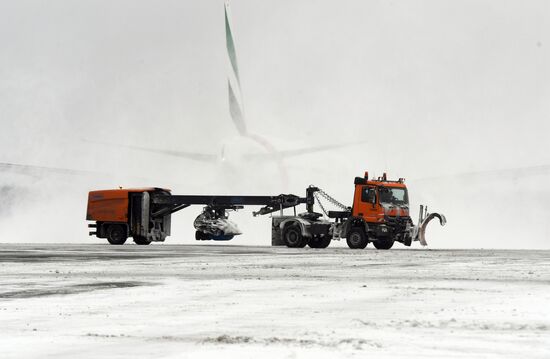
[
  {"x": 119, "y": 214},
  {"x": 109, "y": 205}
]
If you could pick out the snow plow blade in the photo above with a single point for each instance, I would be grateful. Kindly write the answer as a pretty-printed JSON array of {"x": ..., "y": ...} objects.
[{"x": 421, "y": 234}]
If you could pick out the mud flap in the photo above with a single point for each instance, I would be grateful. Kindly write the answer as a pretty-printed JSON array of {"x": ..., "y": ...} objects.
[{"x": 144, "y": 218}]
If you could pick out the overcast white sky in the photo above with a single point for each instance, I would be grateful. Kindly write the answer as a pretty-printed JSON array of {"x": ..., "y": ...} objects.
[{"x": 432, "y": 87}]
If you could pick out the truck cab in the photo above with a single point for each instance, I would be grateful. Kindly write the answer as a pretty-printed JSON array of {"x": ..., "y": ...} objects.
[
  {"x": 375, "y": 199},
  {"x": 380, "y": 213}
]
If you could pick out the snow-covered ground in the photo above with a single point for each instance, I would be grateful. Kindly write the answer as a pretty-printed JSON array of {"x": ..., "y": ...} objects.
[{"x": 161, "y": 301}]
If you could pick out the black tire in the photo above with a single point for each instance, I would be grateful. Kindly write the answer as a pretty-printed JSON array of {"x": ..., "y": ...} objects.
[
  {"x": 357, "y": 238},
  {"x": 304, "y": 242},
  {"x": 292, "y": 235},
  {"x": 141, "y": 241},
  {"x": 386, "y": 243},
  {"x": 201, "y": 236},
  {"x": 116, "y": 234},
  {"x": 319, "y": 241},
  {"x": 314, "y": 242}
]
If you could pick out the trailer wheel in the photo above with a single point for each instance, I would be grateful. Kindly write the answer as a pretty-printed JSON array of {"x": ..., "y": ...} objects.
[
  {"x": 314, "y": 242},
  {"x": 386, "y": 243},
  {"x": 201, "y": 236},
  {"x": 292, "y": 235},
  {"x": 304, "y": 242},
  {"x": 141, "y": 241},
  {"x": 319, "y": 241},
  {"x": 116, "y": 234},
  {"x": 357, "y": 238}
]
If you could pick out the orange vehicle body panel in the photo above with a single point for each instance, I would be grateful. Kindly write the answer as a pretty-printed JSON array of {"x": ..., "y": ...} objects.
[
  {"x": 375, "y": 213},
  {"x": 111, "y": 205}
]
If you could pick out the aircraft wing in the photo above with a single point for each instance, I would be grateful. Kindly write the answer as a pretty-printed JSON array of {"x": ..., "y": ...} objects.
[
  {"x": 278, "y": 154},
  {"x": 195, "y": 156},
  {"x": 507, "y": 173},
  {"x": 39, "y": 170},
  {"x": 42, "y": 171}
]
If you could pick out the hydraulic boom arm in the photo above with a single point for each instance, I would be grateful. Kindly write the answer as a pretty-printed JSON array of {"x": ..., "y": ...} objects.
[{"x": 171, "y": 204}]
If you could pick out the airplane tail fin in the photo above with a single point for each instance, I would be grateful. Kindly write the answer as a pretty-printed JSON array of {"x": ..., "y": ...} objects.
[{"x": 236, "y": 108}]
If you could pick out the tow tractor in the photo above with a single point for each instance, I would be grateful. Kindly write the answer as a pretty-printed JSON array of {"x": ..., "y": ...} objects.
[{"x": 379, "y": 214}]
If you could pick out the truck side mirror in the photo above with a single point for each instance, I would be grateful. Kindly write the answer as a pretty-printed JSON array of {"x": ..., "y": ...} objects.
[{"x": 372, "y": 197}]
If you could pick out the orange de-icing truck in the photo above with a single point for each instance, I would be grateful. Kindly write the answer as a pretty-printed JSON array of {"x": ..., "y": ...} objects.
[{"x": 379, "y": 214}]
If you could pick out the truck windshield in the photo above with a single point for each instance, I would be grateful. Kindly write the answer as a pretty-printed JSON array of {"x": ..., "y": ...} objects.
[{"x": 397, "y": 196}]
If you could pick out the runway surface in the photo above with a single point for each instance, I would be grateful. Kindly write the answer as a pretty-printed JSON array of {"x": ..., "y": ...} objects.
[{"x": 184, "y": 301}]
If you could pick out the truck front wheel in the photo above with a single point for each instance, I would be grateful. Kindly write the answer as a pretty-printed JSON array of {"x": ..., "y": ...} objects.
[
  {"x": 116, "y": 234},
  {"x": 385, "y": 243},
  {"x": 293, "y": 238},
  {"x": 320, "y": 241},
  {"x": 357, "y": 238},
  {"x": 141, "y": 241}
]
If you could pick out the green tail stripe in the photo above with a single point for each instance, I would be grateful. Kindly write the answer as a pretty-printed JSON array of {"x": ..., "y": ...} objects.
[
  {"x": 235, "y": 110},
  {"x": 231, "y": 47}
]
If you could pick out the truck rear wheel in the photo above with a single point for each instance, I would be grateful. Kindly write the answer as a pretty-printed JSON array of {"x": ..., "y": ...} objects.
[
  {"x": 201, "y": 236},
  {"x": 357, "y": 238},
  {"x": 292, "y": 235},
  {"x": 319, "y": 241},
  {"x": 116, "y": 234},
  {"x": 386, "y": 243},
  {"x": 141, "y": 241}
]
